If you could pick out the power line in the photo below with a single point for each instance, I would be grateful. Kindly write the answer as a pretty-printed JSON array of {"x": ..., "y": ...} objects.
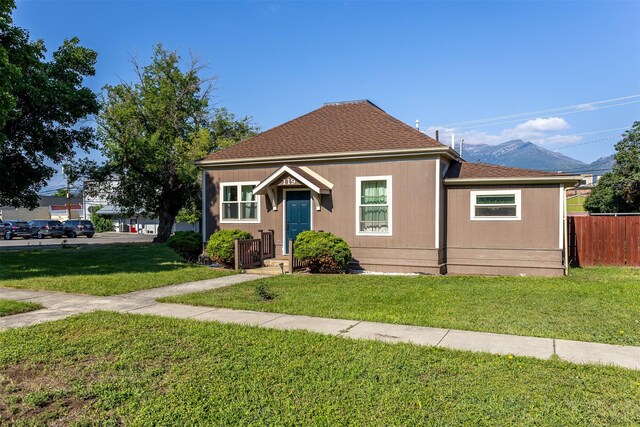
[
  {"x": 548, "y": 110},
  {"x": 589, "y": 133},
  {"x": 548, "y": 115},
  {"x": 588, "y": 142}
]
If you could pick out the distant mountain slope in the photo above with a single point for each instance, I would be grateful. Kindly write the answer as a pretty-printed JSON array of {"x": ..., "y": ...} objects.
[
  {"x": 601, "y": 166},
  {"x": 522, "y": 154}
]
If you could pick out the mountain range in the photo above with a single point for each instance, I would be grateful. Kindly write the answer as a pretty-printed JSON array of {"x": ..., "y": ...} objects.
[{"x": 524, "y": 154}]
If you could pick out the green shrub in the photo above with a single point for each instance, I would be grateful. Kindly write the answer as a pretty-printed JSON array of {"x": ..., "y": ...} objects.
[
  {"x": 221, "y": 247},
  {"x": 101, "y": 223},
  {"x": 322, "y": 251},
  {"x": 187, "y": 244}
]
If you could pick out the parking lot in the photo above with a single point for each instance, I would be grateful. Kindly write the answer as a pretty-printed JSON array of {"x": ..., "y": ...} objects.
[{"x": 98, "y": 239}]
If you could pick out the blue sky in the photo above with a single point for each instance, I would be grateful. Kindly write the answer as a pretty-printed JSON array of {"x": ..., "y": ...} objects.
[{"x": 439, "y": 62}]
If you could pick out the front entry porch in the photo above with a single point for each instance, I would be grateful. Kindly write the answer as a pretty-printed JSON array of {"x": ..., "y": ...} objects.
[{"x": 302, "y": 190}]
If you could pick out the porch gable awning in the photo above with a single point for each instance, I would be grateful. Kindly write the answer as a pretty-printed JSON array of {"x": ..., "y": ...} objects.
[{"x": 303, "y": 175}]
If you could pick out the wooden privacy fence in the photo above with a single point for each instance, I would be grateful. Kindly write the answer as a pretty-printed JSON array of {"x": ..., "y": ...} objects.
[
  {"x": 604, "y": 240},
  {"x": 250, "y": 253}
]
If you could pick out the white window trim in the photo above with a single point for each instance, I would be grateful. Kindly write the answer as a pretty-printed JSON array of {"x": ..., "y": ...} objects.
[
  {"x": 359, "y": 180},
  {"x": 221, "y": 207},
  {"x": 472, "y": 205}
]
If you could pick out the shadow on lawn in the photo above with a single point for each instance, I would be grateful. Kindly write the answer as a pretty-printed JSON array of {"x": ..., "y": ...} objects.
[{"x": 89, "y": 260}]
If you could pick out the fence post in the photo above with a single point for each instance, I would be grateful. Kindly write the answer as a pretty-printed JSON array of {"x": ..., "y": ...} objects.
[
  {"x": 261, "y": 250},
  {"x": 273, "y": 243},
  {"x": 236, "y": 254},
  {"x": 291, "y": 258}
]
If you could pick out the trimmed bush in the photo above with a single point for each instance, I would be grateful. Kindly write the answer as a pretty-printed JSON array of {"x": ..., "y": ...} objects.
[
  {"x": 187, "y": 244},
  {"x": 322, "y": 252},
  {"x": 221, "y": 248},
  {"x": 101, "y": 223}
]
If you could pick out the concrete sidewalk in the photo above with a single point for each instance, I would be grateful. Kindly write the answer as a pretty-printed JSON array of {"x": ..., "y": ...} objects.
[{"x": 61, "y": 305}]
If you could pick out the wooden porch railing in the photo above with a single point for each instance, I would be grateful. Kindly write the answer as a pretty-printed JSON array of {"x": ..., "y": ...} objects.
[
  {"x": 294, "y": 263},
  {"x": 248, "y": 253},
  {"x": 268, "y": 244}
]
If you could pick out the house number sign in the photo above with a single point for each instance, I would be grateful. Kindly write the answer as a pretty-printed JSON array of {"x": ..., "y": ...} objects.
[{"x": 289, "y": 181}]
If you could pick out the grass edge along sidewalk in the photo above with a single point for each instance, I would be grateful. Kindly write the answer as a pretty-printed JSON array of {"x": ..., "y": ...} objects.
[
  {"x": 100, "y": 270},
  {"x": 133, "y": 369},
  {"x": 594, "y": 304},
  {"x": 9, "y": 307}
]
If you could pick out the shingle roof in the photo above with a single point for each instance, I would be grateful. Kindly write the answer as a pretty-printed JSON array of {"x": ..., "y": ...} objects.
[
  {"x": 482, "y": 170},
  {"x": 333, "y": 128}
]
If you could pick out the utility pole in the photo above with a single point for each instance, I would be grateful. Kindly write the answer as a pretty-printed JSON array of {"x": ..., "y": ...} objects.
[{"x": 68, "y": 194}]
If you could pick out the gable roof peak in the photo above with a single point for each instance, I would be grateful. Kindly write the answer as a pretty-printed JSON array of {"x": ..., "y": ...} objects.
[{"x": 355, "y": 101}]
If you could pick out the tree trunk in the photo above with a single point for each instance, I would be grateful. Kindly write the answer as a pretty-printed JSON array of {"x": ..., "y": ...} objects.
[{"x": 165, "y": 224}]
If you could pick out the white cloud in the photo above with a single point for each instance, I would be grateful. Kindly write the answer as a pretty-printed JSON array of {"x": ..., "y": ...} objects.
[
  {"x": 585, "y": 107},
  {"x": 536, "y": 130},
  {"x": 562, "y": 140},
  {"x": 542, "y": 125}
]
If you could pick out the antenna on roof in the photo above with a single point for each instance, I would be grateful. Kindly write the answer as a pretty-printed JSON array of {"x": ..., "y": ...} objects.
[{"x": 417, "y": 124}]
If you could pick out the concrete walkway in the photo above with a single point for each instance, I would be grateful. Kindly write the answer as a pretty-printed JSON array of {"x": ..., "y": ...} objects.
[{"x": 60, "y": 305}]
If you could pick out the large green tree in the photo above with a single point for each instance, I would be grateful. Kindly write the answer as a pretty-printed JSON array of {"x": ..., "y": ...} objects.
[
  {"x": 619, "y": 190},
  {"x": 153, "y": 130},
  {"x": 43, "y": 105}
]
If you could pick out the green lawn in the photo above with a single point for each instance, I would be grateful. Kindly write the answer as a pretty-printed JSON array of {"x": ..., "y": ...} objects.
[
  {"x": 124, "y": 369},
  {"x": 593, "y": 304},
  {"x": 8, "y": 307},
  {"x": 99, "y": 269}
]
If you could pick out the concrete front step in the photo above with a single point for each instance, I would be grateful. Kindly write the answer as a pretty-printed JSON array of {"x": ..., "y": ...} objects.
[
  {"x": 270, "y": 271},
  {"x": 275, "y": 262}
]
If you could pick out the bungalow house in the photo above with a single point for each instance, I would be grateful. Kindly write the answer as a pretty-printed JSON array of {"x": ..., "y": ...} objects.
[{"x": 403, "y": 201}]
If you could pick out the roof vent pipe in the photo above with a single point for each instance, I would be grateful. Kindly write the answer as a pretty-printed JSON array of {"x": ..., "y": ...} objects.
[
  {"x": 417, "y": 124},
  {"x": 437, "y": 135},
  {"x": 453, "y": 141}
]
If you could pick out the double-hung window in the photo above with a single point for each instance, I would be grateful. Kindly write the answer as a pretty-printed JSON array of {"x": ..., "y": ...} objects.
[
  {"x": 495, "y": 205},
  {"x": 373, "y": 206},
  {"x": 239, "y": 204}
]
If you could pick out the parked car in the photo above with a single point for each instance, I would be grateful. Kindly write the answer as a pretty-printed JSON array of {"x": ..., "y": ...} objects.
[
  {"x": 78, "y": 227},
  {"x": 16, "y": 229},
  {"x": 42, "y": 228},
  {"x": 1, "y": 228}
]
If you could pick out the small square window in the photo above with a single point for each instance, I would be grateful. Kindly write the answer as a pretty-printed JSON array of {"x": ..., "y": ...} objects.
[{"x": 495, "y": 205}]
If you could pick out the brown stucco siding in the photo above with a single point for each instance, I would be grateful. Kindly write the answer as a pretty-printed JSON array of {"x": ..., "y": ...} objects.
[
  {"x": 413, "y": 208},
  {"x": 529, "y": 246}
]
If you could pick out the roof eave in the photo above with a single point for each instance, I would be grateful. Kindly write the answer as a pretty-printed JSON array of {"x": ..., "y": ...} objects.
[
  {"x": 444, "y": 150},
  {"x": 564, "y": 179}
]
